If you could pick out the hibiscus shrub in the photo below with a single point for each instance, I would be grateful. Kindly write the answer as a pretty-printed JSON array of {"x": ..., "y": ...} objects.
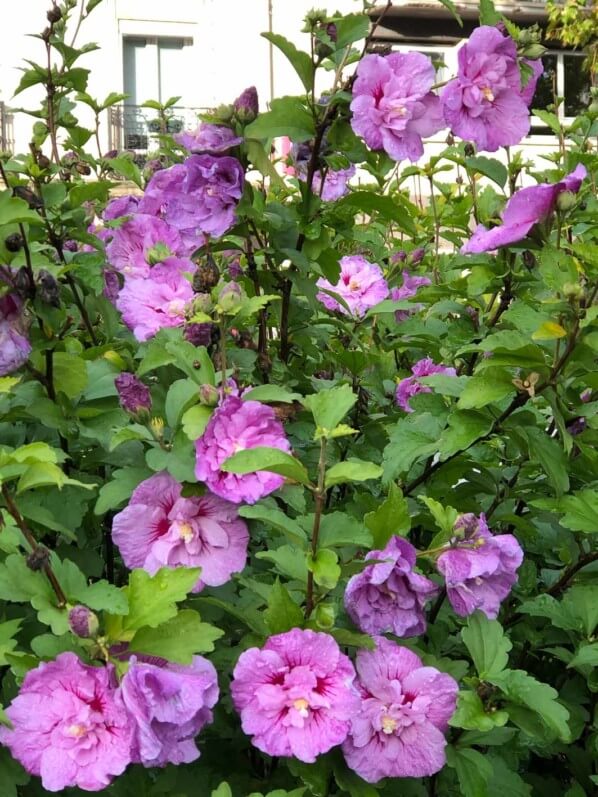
[{"x": 298, "y": 466}]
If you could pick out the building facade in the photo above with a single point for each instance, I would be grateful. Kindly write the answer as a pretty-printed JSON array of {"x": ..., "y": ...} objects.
[{"x": 207, "y": 51}]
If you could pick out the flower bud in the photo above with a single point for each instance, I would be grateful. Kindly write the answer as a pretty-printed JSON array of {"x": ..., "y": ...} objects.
[
  {"x": 417, "y": 255},
  {"x": 157, "y": 427},
  {"x": 43, "y": 161},
  {"x": 207, "y": 275},
  {"x": 27, "y": 194},
  {"x": 235, "y": 269},
  {"x": 202, "y": 303},
  {"x": 223, "y": 114},
  {"x": 208, "y": 395},
  {"x": 325, "y": 616},
  {"x": 13, "y": 242},
  {"x": 586, "y": 395},
  {"x": 112, "y": 153},
  {"x": 23, "y": 285},
  {"x": 246, "y": 106},
  {"x": 230, "y": 297},
  {"x": 151, "y": 167},
  {"x": 398, "y": 257},
  {"x": 83, "y": 168},
  {"x": 199, "y": 334},
  {"x": 529, "y": 260},
  {"x": 70, "y": 246},
  {"x": 83, "y": 622},
  {"x": 48, "y": 291},
  {"x": 577, "y": 426},
  {"x": 38, "y": 558},
  {"x": 566, "y": 201},
  {"x": 134, "y": 396},
  {"x": 469, "y": 149},
  {"x": 450, "y": 139},
  {"x": 54, "y": 15},
  {"x": 572, "y": 290}
]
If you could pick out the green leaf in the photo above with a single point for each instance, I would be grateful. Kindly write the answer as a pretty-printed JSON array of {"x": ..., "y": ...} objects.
[
  {"x": 412, "y": 438},
  {"x": 585, "y": 655},
  {"x": 549, "y": 453},
  {"x": 223, "y": 790},
  {"x": 12, "y": 775},
  {"x": 581, "y": 511},
  {"x": 453, "y": 9},
  {"x": 493, "y": 169},
  {"x": 488, "y": 13},
  {"x": 352, "y": 470},
  {"x": 114, "y": 493},
  {"x": 464, "y": 428},
  {"x": 195, "y": 419},
  {"x": 153, "y": 599},
  {"x": 445, "y": 517},
  {"x": 347, "y": 638},
  {"x": 8, "y": 630},
  {"x": 300, "y": 61},
  {"x": 277, "y": 519},
  {"x": 350, "y": 782},
  {"x": 267, "y": 393},
  {"x": 273, "y": 460},
  {"x": 70, "y": 373},
  {"x": 487, "y": 645},
  {"x": 181, "y": 394},
  {"x": 14, "y": 211},
  {"x": 43, "y": 474},
  {"x": 522, "y": 689},
  {"x": 391, "y": 517},
  {"x": 491, "y": 385},
  {"x": 553, "y": 610},
  {"x": 178, "y": 639},
  {"x": 551, "y": 120},
  {"x": 473, "y": 770},
  {"x": 282, "y": 613},
  {"x": 338, "y": 529},
  {"x": 325, "y": 568},
  {"x": 287, "y": 116},
  {"x": 369, "y": 202},
  {"x": 289, "y": 561},
  {"x": 103, "y": 596},
  {"x": 549, "y": 330},
  {"x": 351, "y": 28},
  {"x": 471, "y": 715},
  {"x": 329, "y": 407}
]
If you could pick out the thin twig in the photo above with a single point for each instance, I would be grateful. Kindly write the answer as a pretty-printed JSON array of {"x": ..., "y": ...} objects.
[{"x": 320, "y": 495}]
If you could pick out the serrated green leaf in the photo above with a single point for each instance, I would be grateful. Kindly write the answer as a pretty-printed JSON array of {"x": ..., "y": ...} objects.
[
  {"x": 487, "y": 645},
  {"x": 391, "y": 517},
  {"x": 152, "y": 599},
  {"x": 352, "y": 470},
  {"x": 282, "y": 613},
  {"x": 178, "y": 639},
  {"x": 273, "y": 460}
]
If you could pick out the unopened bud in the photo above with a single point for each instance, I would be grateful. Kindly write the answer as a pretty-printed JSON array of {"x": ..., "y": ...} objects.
[
  {"x": 450, "y": 139},
  {"x": 134, "y": 396},
  {"x": 586, "y": 395},
  {"x": 529, "y": 259},
  {"x": 83, "y": 168},
  {"x": 572, "y": 290},
  {"x": 469, "y": 149},
  {"x": 13, "y": 242},
  {"x": 157, "y": 427},
  {"x": 38, "y": 558},
  {"x": 208, "y": 395},
  {"x": 566, "y": 201},
  {"x": 230, "y": 297},
  {"x": 202, "y": 303},
  {"x": 23, "y": 285},
  {"x": 43, "y": 161},
  {"x": 398, "y": 257},
  {"x": 48, "y": 292},
  {"x": 83, "y": 622},
  {"x": 417, "y": 255},
  {"x": 325, "y": 616},
  {"x": 199, "y": 334},
  {"x": 207, "y": 275},
  {"x": 246, "y": 106},
  {"x": 54, "y": 15}
]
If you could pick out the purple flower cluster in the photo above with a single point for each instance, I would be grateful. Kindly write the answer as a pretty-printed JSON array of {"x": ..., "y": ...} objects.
[
  {"x": 361, "y": 285},
  {"x": 73, "y": 725},
  {"x": 394, "y": 105},
  {"x": 182, "y": 207},
  {"x": 159, "y": 528},
  {"x": 409, "y": 287},
  {"x": 298, "y": 696},
  {"x": 411, "y": 386}
]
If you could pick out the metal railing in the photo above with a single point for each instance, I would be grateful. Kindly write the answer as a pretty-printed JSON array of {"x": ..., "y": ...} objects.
[
  {"x": 134, "y": 127},
  {"x": 7, "y": 141}
]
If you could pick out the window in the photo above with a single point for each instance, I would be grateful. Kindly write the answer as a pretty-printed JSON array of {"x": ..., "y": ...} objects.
[
  {"x": 152, "y": 71},
  {"x": 565, "y": 75}
]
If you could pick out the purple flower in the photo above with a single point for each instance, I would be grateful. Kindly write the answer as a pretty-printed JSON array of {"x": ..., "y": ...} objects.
[
  {"x": 411, "y": 386},
  {"x": 361, "y": 284},
  {"x": 69, "y": 725},
  {"x": 140, "y": 243},
  {"x": 111, "y": 285},
  {"x": 238, "y": 425},
  {"x": 486, "y": 103},
  {"x": 147, "y": 305},
  {"x": 577, "y": 426},
  {"x": 14, "y": 346},
  {"x": 169, "y": 705},
  {"x": 246, "y": 106},
  {"x": 409, "y": 287},
  {"x": 399, "y": 729},
  {"x": 158, "y": 529},
  {"x": 295, "y": 694},
  {"x": 390, "y": 596},
  {"x": 335, "y": 183},
  {"x": 124, "y": 205},
  {"x": 479, "y": 568},
  {"x": 208, "y": 139},
  {"x": 133, "y": 394},
  {"x": 393, "y": 106},
  {"x": 198, "y": 197},
  {"x": 527, "y": 207}
]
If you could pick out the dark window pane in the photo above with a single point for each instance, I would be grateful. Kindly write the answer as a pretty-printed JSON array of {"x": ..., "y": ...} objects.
[
  {"x": 577, "y": 85},
  {"x": 546, "y": 85}
]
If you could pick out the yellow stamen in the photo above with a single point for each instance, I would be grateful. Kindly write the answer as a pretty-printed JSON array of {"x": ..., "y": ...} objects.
[
  {"x": 487, "y": 92},
  {"x": 77, "y": 730},
  {"x": 302, "y": 707},
  {"x": 186, "y": 532},
  {"x": 389, "y": 725}
]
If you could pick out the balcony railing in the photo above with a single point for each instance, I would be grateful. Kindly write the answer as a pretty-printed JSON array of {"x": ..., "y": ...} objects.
[
  {"x": 134, "y": 127},
  {"x": 6, "y": 129}
]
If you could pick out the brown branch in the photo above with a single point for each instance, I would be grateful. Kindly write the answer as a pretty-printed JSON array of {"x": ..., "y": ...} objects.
[
  {"x": 570, "y": 572},
  {"x": 320, "y": 494},
  {"x": 33, "y": 543}
]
